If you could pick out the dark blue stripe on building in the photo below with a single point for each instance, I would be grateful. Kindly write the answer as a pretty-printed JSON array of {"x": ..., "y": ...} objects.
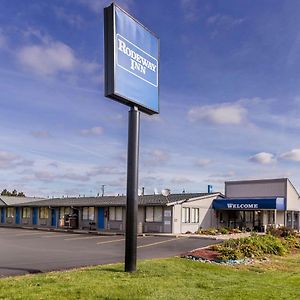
[{"x": 249, "y": 203}]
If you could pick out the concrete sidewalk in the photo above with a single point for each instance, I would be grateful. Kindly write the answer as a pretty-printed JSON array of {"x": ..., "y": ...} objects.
[{"x": 218, "y": 237}]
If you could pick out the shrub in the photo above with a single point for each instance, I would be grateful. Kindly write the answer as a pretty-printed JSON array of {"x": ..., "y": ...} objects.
[
  {"x": 282, "y": 232},
  {"x": 209, "y": 231},
  {"x": 223, "y": 230},
  {"x": 254, "y": 246}
]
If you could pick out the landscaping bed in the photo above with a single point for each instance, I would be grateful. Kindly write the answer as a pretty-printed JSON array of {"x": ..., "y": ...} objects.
[{"x": 278, "y": 241}]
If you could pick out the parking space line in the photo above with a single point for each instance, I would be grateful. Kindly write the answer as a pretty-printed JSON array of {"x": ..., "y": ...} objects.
[
  {"x": 57, "y": 235},
  {"x": 157, "y": 243},
  {"x": 29, "y": 233},
  {"x": 83, "y": 238},
  {"x": 107, "y": 242}
]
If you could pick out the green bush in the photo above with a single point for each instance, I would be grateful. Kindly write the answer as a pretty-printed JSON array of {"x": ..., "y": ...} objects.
[
  {"x": 254, "y": 246},
  {"x": 209, "y": 231},
  {"x": 223, "y": 230}
]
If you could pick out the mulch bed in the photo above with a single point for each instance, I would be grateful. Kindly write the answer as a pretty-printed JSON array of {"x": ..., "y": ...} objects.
[{"x": 206, "y": 254}]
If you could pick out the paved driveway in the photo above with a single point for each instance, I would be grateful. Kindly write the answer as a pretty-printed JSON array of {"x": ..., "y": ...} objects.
[{"x": 31, "y": 251}]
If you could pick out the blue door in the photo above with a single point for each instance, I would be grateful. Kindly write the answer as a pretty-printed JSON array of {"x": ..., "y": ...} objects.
[
  {"x": 35, "y": 216},
  {"x": 2, "y": 215},
  {"x": 53, "y": 217},
  {"x": 18, "y": 215},
  {"x": 100, "y": 218}
]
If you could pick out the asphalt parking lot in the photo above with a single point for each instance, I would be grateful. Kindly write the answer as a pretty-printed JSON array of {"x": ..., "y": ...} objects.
[{"x": 32, "y": 251}]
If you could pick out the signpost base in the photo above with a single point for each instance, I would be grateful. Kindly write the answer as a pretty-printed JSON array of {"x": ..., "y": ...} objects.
[{"x": 132, "y": 189}]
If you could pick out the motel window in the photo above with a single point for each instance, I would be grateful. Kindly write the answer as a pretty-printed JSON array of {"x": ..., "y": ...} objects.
[
  {"x": 115, "y": 214},
  {"x": 64, "y": 211},
  {"x": 194, "y": 215},
  {"x": 88, "y": 213},
  {"x": 190, "y": 215},
  {"x": 26, "y": 213},
  {"x": 10, "y": 212},
  {"x": 185, "y": 215},
  {"x": 44, "y": 213},
  {"x": 85, "y": 213},
  {"x": 91, "y": 213},
  {"x": 154, "y": 214},
  {"x": 271, "y": 217}
]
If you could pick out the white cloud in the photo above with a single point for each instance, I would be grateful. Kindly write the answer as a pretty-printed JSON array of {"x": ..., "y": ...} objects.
[
  {"x": 181, "y": 180},
  {"x": 40, "y": 134},
  {"x": 75, "y": 177},
  {"x": 203, "y": 162},
  {"x": 94, "y": 131},
  {"x": 44, "y": 176},
  {"x": 293, "y": 155},
  {"x": 7, "y": 159},
  {"x": 102, "y": 170},
  {"x": 224, "y": 20},
  {"x": 10, "y": 160},
  {"x": 48, "y": 59},
  {"x": 71, "y": 19},
  {"x": 222, "y": 114},
  {"x": 191, "y": 10},
  {"x": 263, "y": 158},
  {"x": 3, "y": 41},
  {"x": 158, "y": 156}
]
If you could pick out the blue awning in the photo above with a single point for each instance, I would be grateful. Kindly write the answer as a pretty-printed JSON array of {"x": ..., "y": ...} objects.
[{"x": 249, "y": 203}]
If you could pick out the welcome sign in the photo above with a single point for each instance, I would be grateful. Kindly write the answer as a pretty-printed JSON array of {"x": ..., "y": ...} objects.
[
  {"x": 250, "y": 203},
  {"x": 131, "y": 61}
]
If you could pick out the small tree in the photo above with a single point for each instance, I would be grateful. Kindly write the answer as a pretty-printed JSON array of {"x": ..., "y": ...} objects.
[{"x": 14, "y": 193}]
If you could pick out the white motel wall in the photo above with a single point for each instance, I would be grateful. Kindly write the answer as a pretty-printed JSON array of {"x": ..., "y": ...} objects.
[
  {"x": 194, "y": 214},
  {"x": 250, "y": 204}
]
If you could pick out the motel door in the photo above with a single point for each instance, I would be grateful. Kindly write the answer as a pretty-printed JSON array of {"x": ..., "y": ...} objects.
[
  {"x": 35, "y": 216},
  {"x": 100, "y": 217},
  {"x": 2, "y": 215},
  {"x": 53, "y": 217},
  {"x": 17, "y": 215}
]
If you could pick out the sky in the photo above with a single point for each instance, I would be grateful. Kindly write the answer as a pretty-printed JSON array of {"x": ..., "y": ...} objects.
[{"x": 229, "y": 97}]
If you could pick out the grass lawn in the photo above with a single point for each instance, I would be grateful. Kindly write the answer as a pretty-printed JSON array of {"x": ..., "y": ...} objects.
[{"x": 174, "y": 278}]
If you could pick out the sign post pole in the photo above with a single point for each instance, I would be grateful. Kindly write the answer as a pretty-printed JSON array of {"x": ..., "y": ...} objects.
[
  {"x": 132, "y": 189},
  {"x": 132, "y": 58}
]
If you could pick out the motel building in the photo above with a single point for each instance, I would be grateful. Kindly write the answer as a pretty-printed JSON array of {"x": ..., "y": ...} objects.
[
  {"x": 258, "y": 204},
  {"x": 251, "y": 204}
]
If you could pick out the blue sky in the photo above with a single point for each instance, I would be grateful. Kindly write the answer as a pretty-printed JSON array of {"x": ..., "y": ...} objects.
[{"x": 230, "y": 97}]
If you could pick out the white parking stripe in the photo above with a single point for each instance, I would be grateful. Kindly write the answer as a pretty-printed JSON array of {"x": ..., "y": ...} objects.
[
  {"x": 57, "y": 235},
  {"x": 107, "y": 242},
  {"x": 30, "y": 233},
  {"x": 157, "y": 243},
  {"x": 83, "y": 238}
]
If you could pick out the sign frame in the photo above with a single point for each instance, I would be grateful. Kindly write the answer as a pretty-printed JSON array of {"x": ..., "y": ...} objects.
[{"x": 110, "y": 60}]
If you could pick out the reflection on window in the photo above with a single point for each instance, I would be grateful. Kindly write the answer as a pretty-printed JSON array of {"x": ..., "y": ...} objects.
[
  {"x": 26, "y": 212},
  {"x": 154, "y": 214},
  {"x": 115, "y": 213}
]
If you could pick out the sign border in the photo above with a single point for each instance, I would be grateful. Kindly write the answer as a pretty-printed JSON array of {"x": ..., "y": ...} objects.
[{"x": 110, "y": 59}]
